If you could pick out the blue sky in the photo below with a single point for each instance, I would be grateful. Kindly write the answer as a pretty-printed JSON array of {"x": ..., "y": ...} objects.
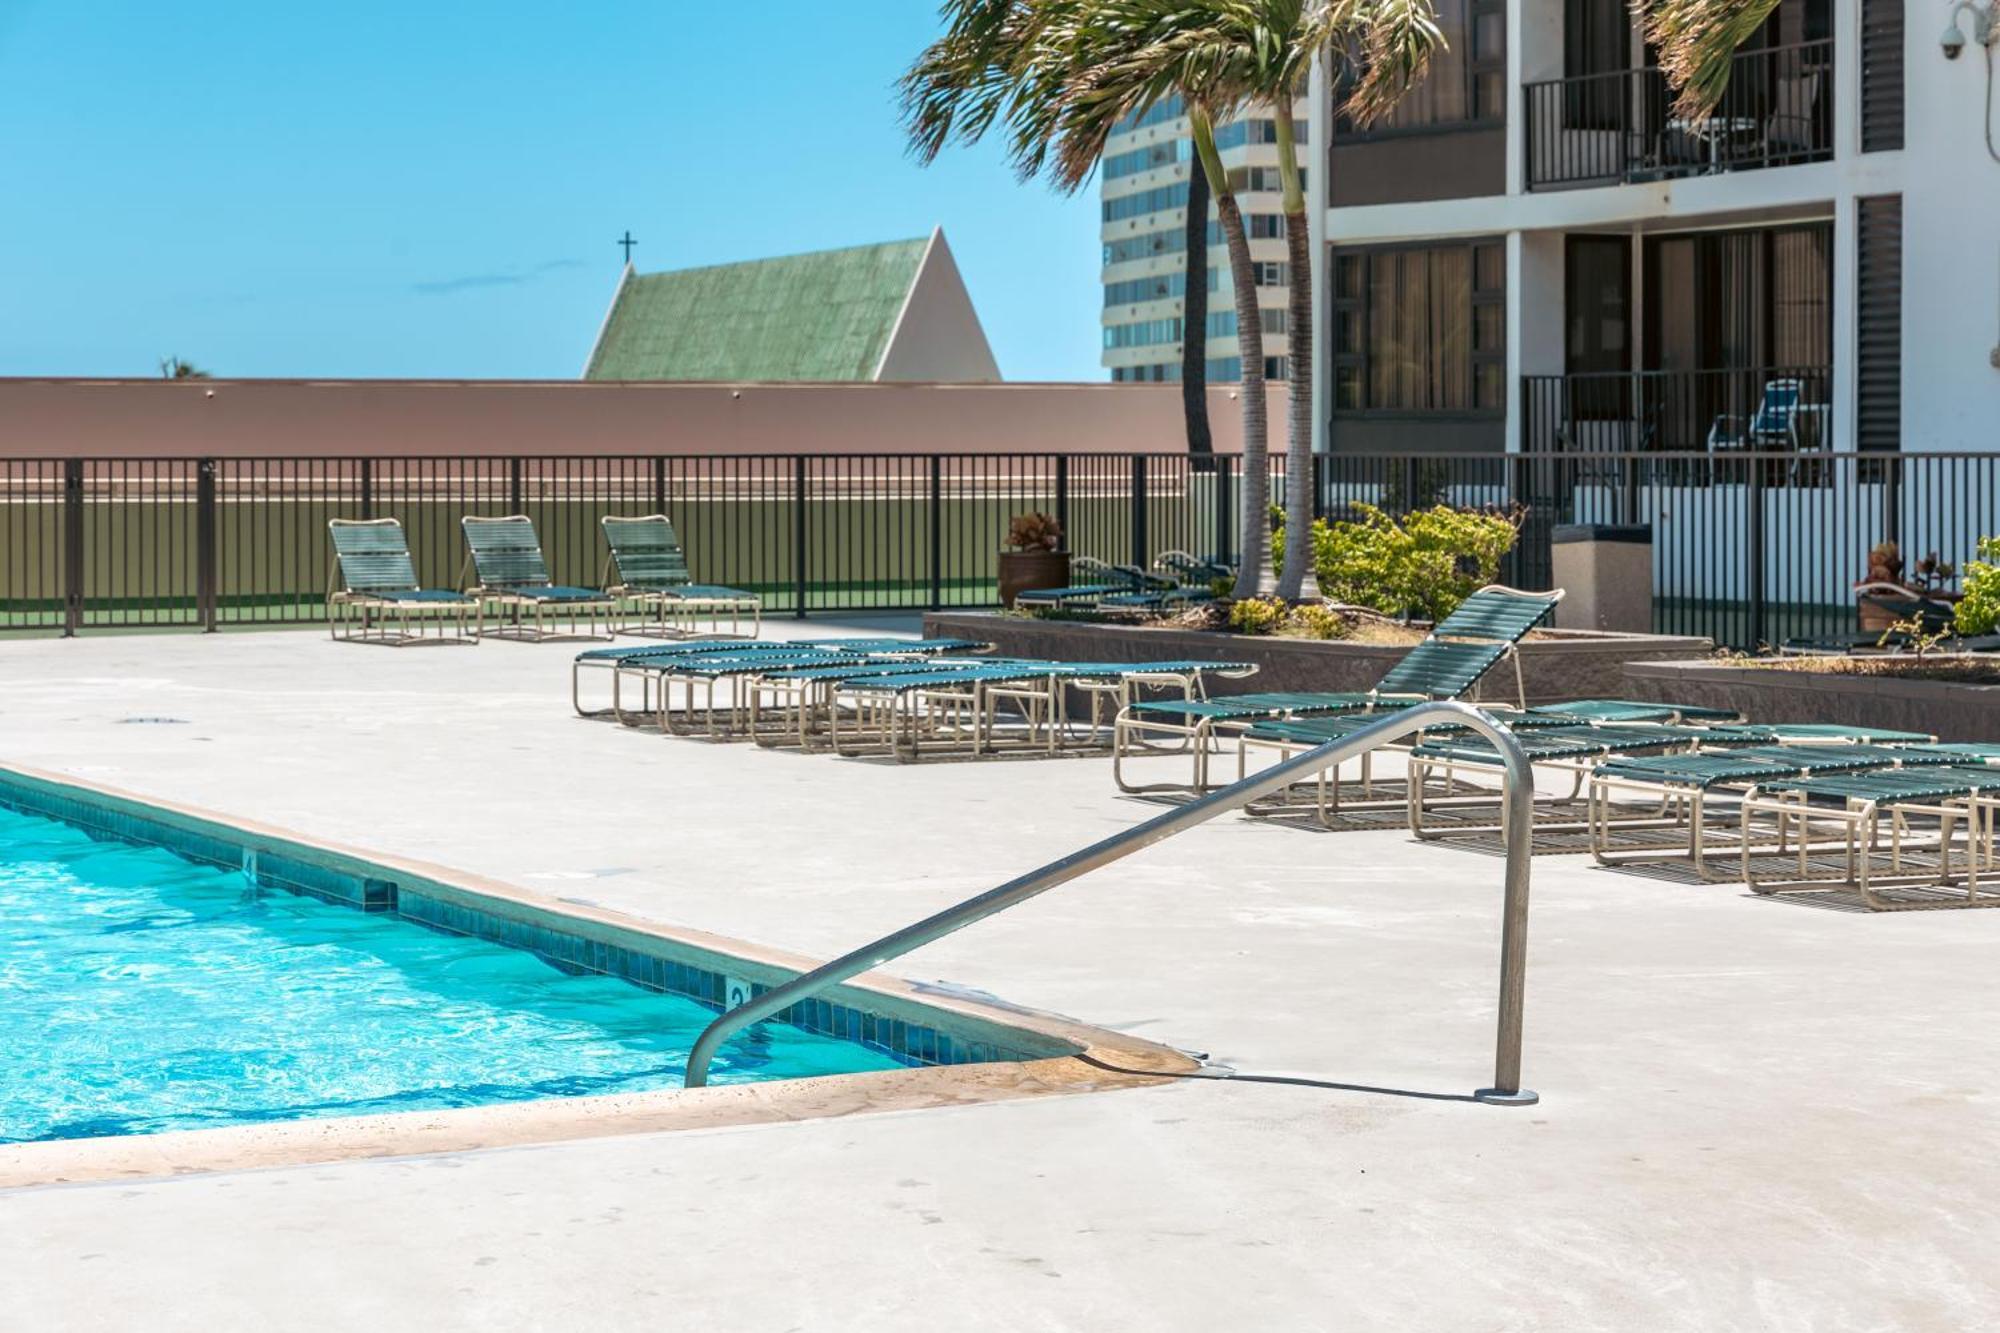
[{"x": 371, "y": 189}]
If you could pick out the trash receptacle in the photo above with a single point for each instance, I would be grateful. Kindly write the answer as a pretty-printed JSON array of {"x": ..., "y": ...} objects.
[{"x": 1606, "y": 571}]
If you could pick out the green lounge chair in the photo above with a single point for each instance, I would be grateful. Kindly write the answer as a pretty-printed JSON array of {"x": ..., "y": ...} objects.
[
  {"x": 508, "y": 576},
  {"x": 1450, "y": 663},
  {"x": 373, "y": 596},
  {"x": 1845, "y": 813},
  {"x": 1104, "y": 581},
  {"x": 1687, "y": 784},
  {"x": 652, "y": 573}
]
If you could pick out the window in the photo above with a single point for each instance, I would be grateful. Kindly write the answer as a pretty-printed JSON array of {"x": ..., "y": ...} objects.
[
  {"x": 1271, "y": 274},
  {"x": 1222, "y": 324},
  {"x": 1145, "y": 374},
  {"x": 1164, "y": 287},
  {"x": 1156, "y": 200},
  {"x": 1266, "y": 180},
  {"x": 1148, "y": 244},
  {"x": 1597, "y": 300},
  {"x": 1166, "y": 109},
  {"x": 1147, "y": 158},
  {"x": 1420, "y": 329},
  {"x": 1467, "y": 79},
  {"x": 1240, "y": 132},
  {"x": 1265, "y": 226},
  {"x": 1223, "y": 369},
  {"x": 1145, "y": 333},
  {"x": 1740, "y": 299}
]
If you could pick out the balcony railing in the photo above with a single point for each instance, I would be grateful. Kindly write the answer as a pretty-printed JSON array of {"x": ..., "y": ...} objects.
[
  {"x": 1621, "y": 127},
  {"x": 1764, "y": 410}
]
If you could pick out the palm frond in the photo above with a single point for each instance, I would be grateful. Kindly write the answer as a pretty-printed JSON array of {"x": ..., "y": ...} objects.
[{"x": 1697, "y": 40}]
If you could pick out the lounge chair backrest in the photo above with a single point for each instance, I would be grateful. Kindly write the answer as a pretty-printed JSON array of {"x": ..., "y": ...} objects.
[
  {"x": 505, "y": 552},
  {"x": 1086, "y": 570},
  {"x": 1779, "y": 405},
  {"x": 1439, "y": 669},
  {"x": 373, "y": 555},
  {"x": 1497, "y": 614},
  {"x": 647, "y": 552}
]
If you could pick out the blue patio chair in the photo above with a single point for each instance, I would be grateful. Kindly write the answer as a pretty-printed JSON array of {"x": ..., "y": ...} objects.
[{"x": 1774, "y": 425}]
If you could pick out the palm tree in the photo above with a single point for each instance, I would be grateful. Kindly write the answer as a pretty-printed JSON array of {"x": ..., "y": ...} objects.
[
  {"x": 173, "y": 368},
  {"x": 1383, "y": 46},
  {"x": 1697, "y": 40},
  {"x": 1061, "y": 75},
  {"x": 1194, "y": 322},
  {"x": 1231, "y": 55},
  {"x": 1002, "y": 61}
]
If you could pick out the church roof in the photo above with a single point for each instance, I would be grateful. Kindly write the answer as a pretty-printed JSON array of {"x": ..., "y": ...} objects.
[{"x": 827, "y": 315}]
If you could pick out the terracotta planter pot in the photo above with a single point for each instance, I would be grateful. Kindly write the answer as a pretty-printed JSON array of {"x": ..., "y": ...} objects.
[{"x": 1024, "y": 571}]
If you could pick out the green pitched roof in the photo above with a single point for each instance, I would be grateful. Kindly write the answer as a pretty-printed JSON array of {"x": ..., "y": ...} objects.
[{"x": 821, "y": 316}]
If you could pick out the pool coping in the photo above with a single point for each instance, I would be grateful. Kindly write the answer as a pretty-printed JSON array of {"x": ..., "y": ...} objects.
[{"x": 1062, "y": 1055}]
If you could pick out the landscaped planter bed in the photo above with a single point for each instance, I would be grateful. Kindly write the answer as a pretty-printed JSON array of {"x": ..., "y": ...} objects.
[
  {"x": 1556, "y": 665},
  {"x": 1953, "y": 710}
]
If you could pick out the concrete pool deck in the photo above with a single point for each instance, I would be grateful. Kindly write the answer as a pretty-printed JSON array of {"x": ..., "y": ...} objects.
[{"x": 1755, "y": 1114}]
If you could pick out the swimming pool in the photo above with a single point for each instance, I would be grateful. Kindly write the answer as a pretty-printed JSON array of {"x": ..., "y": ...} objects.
[{"x": 146, "y": 992}]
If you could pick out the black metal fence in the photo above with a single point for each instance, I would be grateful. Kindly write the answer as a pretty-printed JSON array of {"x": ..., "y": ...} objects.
[
  {"x": 1621, "y": 126},
  {"x": 1749, "y": 547},
  {"x": 1773, "y": 408}
]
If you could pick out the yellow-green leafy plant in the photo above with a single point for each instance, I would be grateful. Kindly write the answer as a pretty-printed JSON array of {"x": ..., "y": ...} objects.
[
  {"x": 1256, "y": 615},
  {"x": 1979, "y": 608},
  {"x": 1423, "y": 566},
  {"x": 1311, "y": 620}
]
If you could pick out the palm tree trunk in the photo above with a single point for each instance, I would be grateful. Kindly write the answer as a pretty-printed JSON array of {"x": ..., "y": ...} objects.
[
  {"x": 1253, "y": 571},
  {"x": 1298, "y": 581},
  {"x": 1194, "y": 323}
]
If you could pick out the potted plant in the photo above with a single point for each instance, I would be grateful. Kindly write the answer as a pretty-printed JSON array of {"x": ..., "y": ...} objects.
[
  {"x": 1034, "y": 558},
  {"x": 1887, "y": 594}
]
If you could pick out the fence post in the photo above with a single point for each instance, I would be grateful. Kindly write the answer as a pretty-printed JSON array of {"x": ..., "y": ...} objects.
[
  {"x": 1062, "y": 498},
  {"x": 660, "y": 485},
  {"x": 367, "y": 488},
  {"x": 937, "y": 532},
  {"x": 1319, "y": 496},
  {"x": 799, "y": 536},
  {"x": 1225, "y": 509},
  {"x": 1140, "y": 555},
  {"x": 72, "y": 546},
  {"x": 514, "y": 504},
  {"x": 1753, "y": 492},
  {"x": 206, "y": 562}
]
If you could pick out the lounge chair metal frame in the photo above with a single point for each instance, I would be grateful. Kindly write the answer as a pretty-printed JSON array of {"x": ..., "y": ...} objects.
[
  {"x": 1914, "y": 856},
  {"x": 372, "y": 594},
  {"x": 1132, "y": 733},
  {"x": 1685, "y": 798},
  {"x": 643, "y": 578},
  {"x": 516, "y": 580}
]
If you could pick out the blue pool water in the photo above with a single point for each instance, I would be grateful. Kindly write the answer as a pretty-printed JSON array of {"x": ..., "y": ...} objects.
[{"x": 140, "y": 992}]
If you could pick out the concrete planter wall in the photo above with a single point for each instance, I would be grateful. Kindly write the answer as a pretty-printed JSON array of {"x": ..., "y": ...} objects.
[
  {"x": 1947, "y": 709},
  {"x": 1573, "y": 665}
]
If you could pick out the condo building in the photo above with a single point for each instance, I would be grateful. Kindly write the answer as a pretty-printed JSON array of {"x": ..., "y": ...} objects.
[
  {"x": 1144, "y": 180},
  {"x": 1537, "y": 253}
]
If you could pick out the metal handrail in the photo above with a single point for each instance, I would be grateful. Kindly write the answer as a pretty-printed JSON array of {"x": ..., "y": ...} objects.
[{"x": 1518, "y": 794}]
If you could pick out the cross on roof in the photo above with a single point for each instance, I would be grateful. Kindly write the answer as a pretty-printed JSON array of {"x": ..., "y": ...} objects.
[{"x": 627, "y": 241}]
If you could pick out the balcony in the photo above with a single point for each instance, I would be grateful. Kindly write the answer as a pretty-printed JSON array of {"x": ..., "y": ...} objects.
[
  {"x": 1720, "y": 412},
  {"x": 1620, "y": 128}
]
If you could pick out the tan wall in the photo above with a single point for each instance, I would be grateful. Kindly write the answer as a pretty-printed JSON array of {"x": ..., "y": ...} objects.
[{"x": 45, "y": 418}]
